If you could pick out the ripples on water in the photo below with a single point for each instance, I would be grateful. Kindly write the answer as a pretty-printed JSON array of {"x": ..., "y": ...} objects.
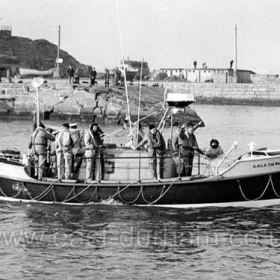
[
  {"x": 114, "y": 242},
  {"x": 121, "y": 242}
]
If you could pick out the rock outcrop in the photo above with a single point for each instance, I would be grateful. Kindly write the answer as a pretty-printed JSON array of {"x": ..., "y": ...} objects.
[
  {"x": 40, "y": 54},
  {"x": 59, "y": 100}
]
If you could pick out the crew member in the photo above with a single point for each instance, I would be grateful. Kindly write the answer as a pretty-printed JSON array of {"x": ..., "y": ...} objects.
[
  {"x": 38, "y": 145},
  {"x": 93, "y": 145},
  {"x": 156, "y": 149},
  {"x": 214, "y": 150},
  {"x": 77, "y": 145},
  {"x": 185, "y": 143},
  {"x": 64, "y": 145},
  {"x": 52, "y": 172}
]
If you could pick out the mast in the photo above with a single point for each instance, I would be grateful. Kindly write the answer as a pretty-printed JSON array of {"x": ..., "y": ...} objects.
[
  {"x": 58, "y": 49},
  {"x": 127, "y": 98},
  {"x": 139, "y": 102},
  {"x": 124, "y": 71},
  {"x": 235, "y": 50}
]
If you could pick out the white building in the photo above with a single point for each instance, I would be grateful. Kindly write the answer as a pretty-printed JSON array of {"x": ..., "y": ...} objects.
[{"x": 217, "y": 75}]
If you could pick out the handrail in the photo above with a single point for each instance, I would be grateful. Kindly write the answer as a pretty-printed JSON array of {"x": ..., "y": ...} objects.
[
  {"x": 234, "y": 145},
  {"x": 136, "y": 163}
]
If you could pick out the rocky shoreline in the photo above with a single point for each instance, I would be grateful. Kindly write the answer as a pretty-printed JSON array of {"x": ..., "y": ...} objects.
[{"x": 60, "y": 100}]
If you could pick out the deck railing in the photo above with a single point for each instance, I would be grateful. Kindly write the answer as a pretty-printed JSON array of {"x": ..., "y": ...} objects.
[
  {"x": 136, "y": 168},
  {"x": 144, "y": 164}
]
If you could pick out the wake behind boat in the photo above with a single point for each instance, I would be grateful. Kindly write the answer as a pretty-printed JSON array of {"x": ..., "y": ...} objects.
[{"x": 253, "y": 177}]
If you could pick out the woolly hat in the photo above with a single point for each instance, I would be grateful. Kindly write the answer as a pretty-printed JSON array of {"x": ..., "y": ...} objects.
[{"x": 151, "y": 126}]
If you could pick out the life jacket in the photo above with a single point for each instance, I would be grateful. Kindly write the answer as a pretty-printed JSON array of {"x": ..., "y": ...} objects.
[
  {"x": 64, "y": 141},
  {"x": 39, "y": 141}
]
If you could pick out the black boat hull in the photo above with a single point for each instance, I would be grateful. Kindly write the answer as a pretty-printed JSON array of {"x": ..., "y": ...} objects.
[{"x": 167, "y": 192}]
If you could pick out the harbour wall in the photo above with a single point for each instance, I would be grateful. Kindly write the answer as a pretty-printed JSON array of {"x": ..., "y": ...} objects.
[
  {"x": 260, "y": 94},
  {"x": 109, "y": 103},
  {"x": 78, "y": 102}
]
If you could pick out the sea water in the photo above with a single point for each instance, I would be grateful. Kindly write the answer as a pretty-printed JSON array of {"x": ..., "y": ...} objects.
[{"x": 130, "y": 242}]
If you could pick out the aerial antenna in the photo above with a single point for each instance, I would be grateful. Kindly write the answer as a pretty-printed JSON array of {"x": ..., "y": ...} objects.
[{"x": 124, "y": 71}]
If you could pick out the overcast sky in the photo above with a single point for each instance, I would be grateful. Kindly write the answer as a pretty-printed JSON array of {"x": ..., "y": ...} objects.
[{"x": 166, "y": 33}]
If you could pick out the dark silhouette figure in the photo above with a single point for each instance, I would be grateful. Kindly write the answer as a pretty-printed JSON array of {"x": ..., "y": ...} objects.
[
  {"x": 93, "y": 75},
  {"x": 231, "y": 64},
  {"x": 194, "y": 64},
  {"x": 48, "y": 113},
  {"x": 77, "y": 76},
  {"x": 70, "y": 72}
]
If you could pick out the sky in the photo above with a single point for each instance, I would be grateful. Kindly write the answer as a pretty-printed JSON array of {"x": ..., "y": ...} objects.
[{"x": 165, "y": 33}]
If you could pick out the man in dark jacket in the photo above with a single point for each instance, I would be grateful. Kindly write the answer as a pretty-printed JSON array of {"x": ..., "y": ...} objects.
[
  {"x": 93, "y": 75},
  {"x": 93, "y": 145},
  {"x": 70, "y": 72},
  {"x": 38, "y": 145},
  {"x": 185, "y": 143}
]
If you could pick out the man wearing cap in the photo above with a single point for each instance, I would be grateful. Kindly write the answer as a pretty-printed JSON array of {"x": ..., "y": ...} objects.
[
  {"x": 156, "y": 149},
  {"x": 93, "y": 153},
  {"x": 64, "y": 145},
  {"x": 185, "y": 143},
  {"x": 38, "y": 145}
]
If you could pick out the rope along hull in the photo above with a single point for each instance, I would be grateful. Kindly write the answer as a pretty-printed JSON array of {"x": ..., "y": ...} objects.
[{"x": 175, "y": 191}]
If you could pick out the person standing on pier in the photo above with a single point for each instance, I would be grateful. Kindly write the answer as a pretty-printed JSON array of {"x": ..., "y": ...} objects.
[
  {"x": 70, "y": 72},
  {"x": 93, "y": 75}
]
